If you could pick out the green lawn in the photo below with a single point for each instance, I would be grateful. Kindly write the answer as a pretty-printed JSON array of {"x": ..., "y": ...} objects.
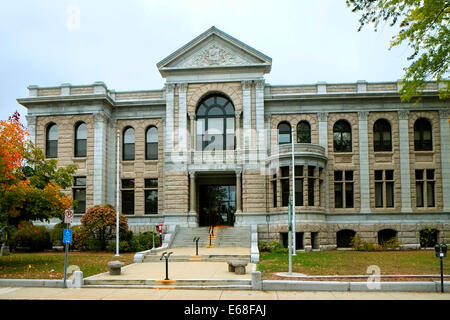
[
  {"x": 354, "y": 262},
  {"x": 40, "y": 265}
]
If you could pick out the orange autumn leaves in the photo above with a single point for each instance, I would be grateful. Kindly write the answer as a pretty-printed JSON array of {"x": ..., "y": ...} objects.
[{"x": 26, "y": 195}]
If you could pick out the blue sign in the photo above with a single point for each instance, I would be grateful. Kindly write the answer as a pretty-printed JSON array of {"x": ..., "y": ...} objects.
[{"x": 67, "y": 236}]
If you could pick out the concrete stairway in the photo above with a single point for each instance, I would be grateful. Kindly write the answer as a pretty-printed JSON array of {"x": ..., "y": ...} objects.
[{"x": 225, "y": 237}]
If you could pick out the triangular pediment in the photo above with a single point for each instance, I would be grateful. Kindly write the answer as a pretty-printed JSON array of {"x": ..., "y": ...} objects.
[{"x": 214, "y": 49}]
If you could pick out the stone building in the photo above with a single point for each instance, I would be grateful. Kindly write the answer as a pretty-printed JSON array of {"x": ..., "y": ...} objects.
[{"x": 214, "y": 146}]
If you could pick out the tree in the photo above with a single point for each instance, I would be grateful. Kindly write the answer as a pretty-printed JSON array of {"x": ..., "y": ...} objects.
[
  {"x": 424, "y": 25},
  {"x": 100, "y": 223},
  {"x": 30, "y": 185}
]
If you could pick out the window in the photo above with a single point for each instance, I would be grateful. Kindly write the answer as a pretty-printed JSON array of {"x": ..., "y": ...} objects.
[
  {"x": 342, "y": 136},
  {"x": 285, "y": 189},
  {"x": 51, "y": 141},
  {"x": 79, "y": 194},
  {"x": 343, "y": 189},
  {"x": 422, "y": 135},
  {"x": 303, "y": 132},
  {"x": 311, "y": 185},
  {"x": 284, "y": 133},
  {"x": 215, "y": 124},
  {"x": 425, "y": 182},
  {"x": 151, "y": 144},
  {"x": 384, "y": 188},
  {"x": 128, "y": 144},
  {"x": 299, "y": 179},
  {"x": 128, "y": 196},
  {"x": 386, "y": 235},
  {"x": 80, "y": 140},
  {"x": 274, "y": 189},
  {"x": 344, "y": 238},
  {"x": 151, "y": 196},
  {"x": 382, "y": 139}
]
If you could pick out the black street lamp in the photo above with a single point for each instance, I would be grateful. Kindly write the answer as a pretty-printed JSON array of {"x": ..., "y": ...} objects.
[{"x": 441, "y": 252}]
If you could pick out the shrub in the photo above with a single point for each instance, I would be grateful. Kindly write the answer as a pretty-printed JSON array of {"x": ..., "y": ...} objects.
[
  {"x": 56, "y": 233},
  {"x": 360, "y": 245},
  {"x": 272, "y": 247},
  {"x": 80, "y": 236},
  {"x": 428, "y": 237},
  {"x": 135, "y": 242},
  {"x": 100, "y": 224},
  {"x": 31, "y": 237}
]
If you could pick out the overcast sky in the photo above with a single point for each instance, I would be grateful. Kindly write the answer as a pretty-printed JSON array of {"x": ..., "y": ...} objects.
[{"x": 47, "y": 43}]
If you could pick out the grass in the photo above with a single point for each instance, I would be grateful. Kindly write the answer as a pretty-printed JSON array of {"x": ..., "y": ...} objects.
[
  {"x": 50, "y": 265},
  {"x": 419, "y": 262}
]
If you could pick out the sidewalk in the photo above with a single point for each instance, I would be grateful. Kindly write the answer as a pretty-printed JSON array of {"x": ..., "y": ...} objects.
[{"x": 152, "y": 294}]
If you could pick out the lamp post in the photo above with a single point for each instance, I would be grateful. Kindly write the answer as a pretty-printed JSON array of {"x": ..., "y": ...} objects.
[
  {"x": 117, "y": 192},
  {"x": 293, "y": 194},
  {"x": 441, "y": 252}
]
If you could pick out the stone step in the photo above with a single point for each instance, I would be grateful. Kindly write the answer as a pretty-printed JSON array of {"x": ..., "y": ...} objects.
[
  {"x": 169, "y": 284},
  {"x": 201, "y": 257}
]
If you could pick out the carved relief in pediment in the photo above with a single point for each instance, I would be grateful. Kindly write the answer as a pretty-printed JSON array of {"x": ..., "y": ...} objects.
[{"x": 214, "y": 55}]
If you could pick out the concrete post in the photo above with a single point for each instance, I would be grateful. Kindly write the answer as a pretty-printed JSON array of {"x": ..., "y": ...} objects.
[{"x": 192, "y": 193}]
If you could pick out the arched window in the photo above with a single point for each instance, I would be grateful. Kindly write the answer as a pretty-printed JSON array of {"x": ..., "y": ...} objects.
[
  {"x": 284, "y": 133},
  {"x": 344, "y": 238},
  {"x": 422, "y": 135},
  {"x": 382, "y": 139},
  {"x": 215, "y": 124},
  {"x": 303, "y": 132},
  {"x": 386, "y": 235},
  {"x": 51, "y": 141},
  {"x": 128, "y": 143},
  {"x": 80, "y": 140},
  {"x": 151, "y": 143},
  {"x": 342, "y": 136}
]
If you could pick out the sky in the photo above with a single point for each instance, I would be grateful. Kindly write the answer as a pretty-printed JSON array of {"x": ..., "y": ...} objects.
[{"x": 47, "y": 43}]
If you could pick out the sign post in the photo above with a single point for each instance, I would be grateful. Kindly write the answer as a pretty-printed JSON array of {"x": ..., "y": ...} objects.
[{"x": 67, "y": 239}]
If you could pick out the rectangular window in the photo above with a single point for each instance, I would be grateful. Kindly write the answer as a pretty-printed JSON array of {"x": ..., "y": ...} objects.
[
  {"x": 51, "y": 149},
  {"x": 425, "y": 188},
  {"x": 79, "y": 194},
  {"x": 311, "y": 191},
  {"x": 298, "y": 192},
  {"x": 343, "y": 189},
  {"x": 151, "y": 196},
  {"x": 285, "y": 192},
  {"x": 80, "y": 147},
  {"x": 274, "y": 188},
  {"x": 128, "y": 196},
  {"x": 384, "y": 188}
]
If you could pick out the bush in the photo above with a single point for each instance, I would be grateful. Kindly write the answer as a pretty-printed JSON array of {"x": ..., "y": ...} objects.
[
  {"x": 360, "y": 245},
  {"x": 31, "y": 238},
  {"x": 428, "y": 237},
  {"x": 80, "y": 237},
  {"x": 272, "y": 247},
  {"x": 100, "y": 224},
  {"x": 56, "y": 234},
  {"x": 135, "y": 242}
]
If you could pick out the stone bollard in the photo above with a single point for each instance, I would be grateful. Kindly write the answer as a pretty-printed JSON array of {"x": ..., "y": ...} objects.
[
  {"x": 77, "y": 281},
  {"x": 115, "y": 267}
]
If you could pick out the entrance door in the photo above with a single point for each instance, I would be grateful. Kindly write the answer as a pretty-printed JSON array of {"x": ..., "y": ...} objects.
[{"x": 217, "y": 205}]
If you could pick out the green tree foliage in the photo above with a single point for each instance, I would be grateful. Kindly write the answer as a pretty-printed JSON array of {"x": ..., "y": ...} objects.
[{"x": 424, "y": 26}]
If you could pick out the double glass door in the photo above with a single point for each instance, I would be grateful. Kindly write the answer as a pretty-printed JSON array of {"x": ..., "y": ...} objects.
[{"x": 217, "y": 205}]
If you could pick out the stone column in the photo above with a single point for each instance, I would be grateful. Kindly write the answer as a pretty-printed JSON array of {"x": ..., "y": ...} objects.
[
  {"x": 100, "y": 126},
  {"x": 238, "y": 191},
  {"x": 31, "y": 125},
  {"x": 247, "y": 113},
  {"x": 364, "y": 173},
  {"x": 192, "y": 193},
  {"x": 169, "y": 116},
  {"x": 405, "y": 176},
  {"x": 322, "y": 118},
  {"x": 192, "y": 131},
  {"x": 182, "y": 119},
  {"x": 259, "y": 104},
  {"x": 445, "y": 157}
]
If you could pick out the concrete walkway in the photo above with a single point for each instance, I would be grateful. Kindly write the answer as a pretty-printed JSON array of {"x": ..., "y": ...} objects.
[{"x": 151, "y": 294}]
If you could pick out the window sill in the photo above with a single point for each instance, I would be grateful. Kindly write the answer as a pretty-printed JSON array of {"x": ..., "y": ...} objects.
[{"x": 80, "y": 159}]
